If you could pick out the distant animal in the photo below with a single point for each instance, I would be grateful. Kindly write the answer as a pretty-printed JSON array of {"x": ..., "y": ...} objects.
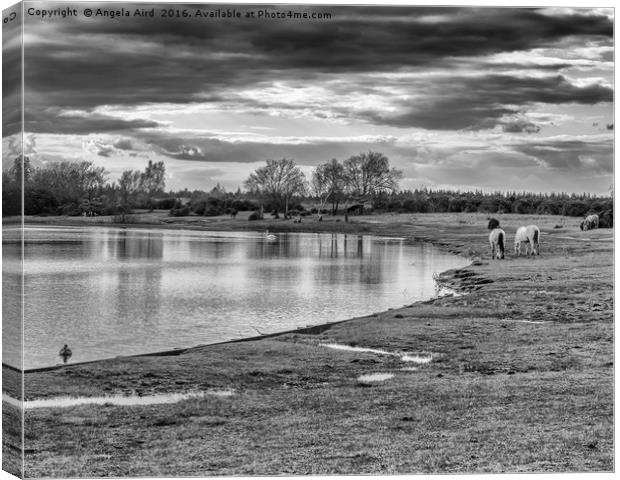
[
  {"x": 530, "y": 236},
  {"x": 65, "y": 353},
  {"x": 297, "y": 219},
  {"x": 270, "y": 236},
  {"x": 497, "y": 239},
  {"x": 590, "y": 222},
  {"x": 493, "y": 224}
]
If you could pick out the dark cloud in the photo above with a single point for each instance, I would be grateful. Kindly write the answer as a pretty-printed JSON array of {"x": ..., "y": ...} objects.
[
  {"x": 123, "y": 144},
  {"x": 571, "y": 154},
  {"x": 83, "y": 63},
  {"x": 53, "y": 121},
  {"x": 205, "y": 149},
  {"x": 11, "y": 74},
  {"x": 520, "y": 126},
  {"x": 481, "y": 102}
]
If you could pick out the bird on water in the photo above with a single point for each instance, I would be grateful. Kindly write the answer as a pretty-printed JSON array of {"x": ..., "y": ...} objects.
[{"x": 65, "y": 353}]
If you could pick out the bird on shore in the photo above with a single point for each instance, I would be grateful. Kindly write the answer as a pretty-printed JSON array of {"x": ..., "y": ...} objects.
[{"x": 65, "y": 353}]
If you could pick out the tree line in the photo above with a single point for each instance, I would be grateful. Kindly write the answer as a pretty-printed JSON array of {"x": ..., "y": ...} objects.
[
  {"x": 78, "y": 188},
  {"x": 360, "y": 183}
]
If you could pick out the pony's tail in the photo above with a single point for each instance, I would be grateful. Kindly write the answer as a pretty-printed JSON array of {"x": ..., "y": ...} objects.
[
  {"x": 535, "y": 237},
  {"x": 500, "y": 239}
]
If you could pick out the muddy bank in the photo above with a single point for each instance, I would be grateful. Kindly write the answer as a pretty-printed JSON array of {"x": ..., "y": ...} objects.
[{"x": 519, "y": 378}]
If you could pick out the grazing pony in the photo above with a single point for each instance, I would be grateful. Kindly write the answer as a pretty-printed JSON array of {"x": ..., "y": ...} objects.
[
  {"x": 529, "y": 235},
  {"x": 497, "y": 239},
  {"x": 590, "y": 222},
  {"x": 493, "y": 223}
]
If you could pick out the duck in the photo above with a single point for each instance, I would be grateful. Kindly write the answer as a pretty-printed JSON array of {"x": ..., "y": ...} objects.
[{"x": 65, "y": 353}]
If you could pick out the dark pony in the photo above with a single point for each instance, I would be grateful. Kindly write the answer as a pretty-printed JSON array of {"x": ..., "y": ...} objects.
[{"x": 493, "y": 224}]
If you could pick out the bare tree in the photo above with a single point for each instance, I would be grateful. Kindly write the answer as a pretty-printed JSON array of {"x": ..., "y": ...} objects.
[
  {"x": 278, "y": 181},
  {"x": 329, "y": 182},
  {"x": 129, "y": 186},
  {"x": 369, "y": 174}
]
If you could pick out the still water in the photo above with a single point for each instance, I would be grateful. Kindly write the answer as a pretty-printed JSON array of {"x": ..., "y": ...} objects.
[{"x": 112, "y": 291}]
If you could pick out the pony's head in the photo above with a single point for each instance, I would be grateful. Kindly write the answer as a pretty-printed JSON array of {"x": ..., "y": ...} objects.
[{"x": 493, "y": 224}]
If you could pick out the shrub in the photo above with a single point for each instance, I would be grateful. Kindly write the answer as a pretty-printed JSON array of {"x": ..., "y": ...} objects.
[{"x": 180, "y": 212}]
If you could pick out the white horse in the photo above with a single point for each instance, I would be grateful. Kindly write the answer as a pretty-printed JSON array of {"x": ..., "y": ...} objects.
[
  {"x": 590, "y": 222},
  {"x": 529, "y": 235},
  {"x": 497, "y": 239}
]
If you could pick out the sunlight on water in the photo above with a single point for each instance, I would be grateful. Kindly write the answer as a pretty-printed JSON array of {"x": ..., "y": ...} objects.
[{"x": 118, "y": 400}]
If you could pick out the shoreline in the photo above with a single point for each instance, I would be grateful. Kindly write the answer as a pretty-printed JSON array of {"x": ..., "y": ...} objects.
[
  {"x": 522, "y": 362},
  {"x": 272, "y": 225},
  {"x": 312, "y": 329}
]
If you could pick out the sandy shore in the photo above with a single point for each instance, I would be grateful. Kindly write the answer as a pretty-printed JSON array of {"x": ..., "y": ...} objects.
[{"x": 516, "y": 375}]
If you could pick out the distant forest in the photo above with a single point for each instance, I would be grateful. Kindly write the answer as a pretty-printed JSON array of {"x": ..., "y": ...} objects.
[{"x": 362, "y": 184}]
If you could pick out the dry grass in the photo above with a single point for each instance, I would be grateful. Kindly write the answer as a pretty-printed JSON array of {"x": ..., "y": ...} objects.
[{"x": 521, "y": 378}]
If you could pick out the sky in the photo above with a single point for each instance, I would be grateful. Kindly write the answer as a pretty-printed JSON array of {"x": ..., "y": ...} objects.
[{"x": 498, "y": 99}]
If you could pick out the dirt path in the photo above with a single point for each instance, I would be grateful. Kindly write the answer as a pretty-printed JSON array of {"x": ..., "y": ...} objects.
[{"x": 520, "y": 377}]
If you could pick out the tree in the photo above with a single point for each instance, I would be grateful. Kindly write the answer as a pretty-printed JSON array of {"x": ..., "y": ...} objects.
[
  {"x": 70, "y": 182},
  {"x": 21, "y": 163},
  {"x": 152, "y": 180},
  {"x": 278, "y": 181},
  {"x": 368, "y": 175},
  {"x": 329, "y": 182},
  {"x": 129, "y": 186}
]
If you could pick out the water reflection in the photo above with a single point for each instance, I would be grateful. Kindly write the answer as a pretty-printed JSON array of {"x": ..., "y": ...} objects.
[
  {"x": 129, "y": 291},
  {"x": 12, "y": 332},
  {"x": 124, "y": 244}
]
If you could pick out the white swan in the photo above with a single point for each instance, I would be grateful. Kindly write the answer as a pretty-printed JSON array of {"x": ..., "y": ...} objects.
[{"x": 270, "y": 236}]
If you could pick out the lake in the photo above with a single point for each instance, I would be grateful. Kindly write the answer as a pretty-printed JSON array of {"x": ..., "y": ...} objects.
[{"x": 123, "y": 291}]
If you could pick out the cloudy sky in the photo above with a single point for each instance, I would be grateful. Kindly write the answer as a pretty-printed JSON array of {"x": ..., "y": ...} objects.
[{"x": 462, "y": 98}]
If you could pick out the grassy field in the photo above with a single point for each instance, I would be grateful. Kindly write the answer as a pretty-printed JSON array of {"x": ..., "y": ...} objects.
[{"x": 521, "y": 377}]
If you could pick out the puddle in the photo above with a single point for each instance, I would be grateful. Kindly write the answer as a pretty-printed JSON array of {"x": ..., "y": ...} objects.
[
  {"x": 349, "y": 348},
  {"x": 405, "y": 357},
  {"x": 375, "y": 377},
  {"x": 409, "y": 369},
  {"x": 119, "y": 400},
  {"x": 11, "y": 401},
  {"x": 417, "y": 358},
  {"x": 539, "y": 322}
]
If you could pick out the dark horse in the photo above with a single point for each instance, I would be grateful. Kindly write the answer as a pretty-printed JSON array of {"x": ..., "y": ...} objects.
[{"x": 493, "y": 224}]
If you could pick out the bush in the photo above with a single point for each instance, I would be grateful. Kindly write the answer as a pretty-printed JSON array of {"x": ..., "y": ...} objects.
[
  {"x": 180, "y": 212},
  {"x": 254, "y": 216},
  {"x": 166, "y": 203},
  {"x": 606, "y": 219}
]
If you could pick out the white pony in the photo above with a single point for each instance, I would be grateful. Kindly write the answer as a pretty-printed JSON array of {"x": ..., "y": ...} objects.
[
  {"x": 497, "y": 239},
  {"x": 590, "y": 222},
  {"x": 529, "y": 235}
]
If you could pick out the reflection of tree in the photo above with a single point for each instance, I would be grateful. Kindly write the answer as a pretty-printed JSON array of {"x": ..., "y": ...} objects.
[
  {"x": 134, "y": 246},
  {"x": 286, "y": 246},
  {"x": 139, "y": 295}
]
